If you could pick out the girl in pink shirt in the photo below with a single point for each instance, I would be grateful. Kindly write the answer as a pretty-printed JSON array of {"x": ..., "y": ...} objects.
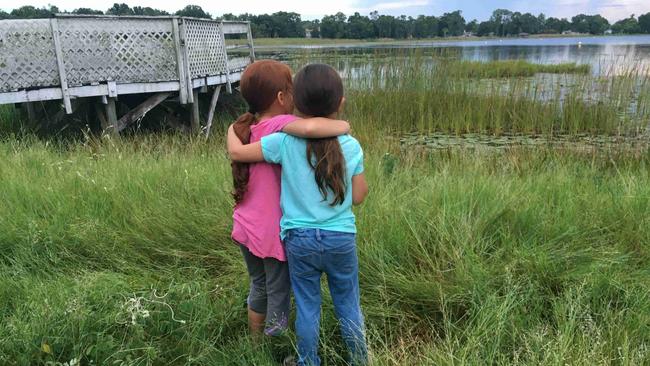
[{"x": 267, "y": 88}]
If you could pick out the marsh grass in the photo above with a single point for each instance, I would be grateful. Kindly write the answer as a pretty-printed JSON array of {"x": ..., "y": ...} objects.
[
  {"x": 524, "y": 257},
  {"x": 510, "y": 68}
]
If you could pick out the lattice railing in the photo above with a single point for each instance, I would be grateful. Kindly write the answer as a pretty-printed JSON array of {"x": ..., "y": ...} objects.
[
  {"x": 118, "y": 49},
  {"x": 27, "y": 57},
  {"x": 99, "y": 49},
  {"x": 204, "y": 40}
]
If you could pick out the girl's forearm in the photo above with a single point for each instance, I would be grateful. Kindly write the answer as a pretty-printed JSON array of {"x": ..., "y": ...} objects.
[
  {"x": 317, "y": 127},
  {"x": 249, "y": 153}
]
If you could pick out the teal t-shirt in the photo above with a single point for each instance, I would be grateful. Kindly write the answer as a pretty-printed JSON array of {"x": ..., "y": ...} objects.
[{"x": 302, "y": 203}]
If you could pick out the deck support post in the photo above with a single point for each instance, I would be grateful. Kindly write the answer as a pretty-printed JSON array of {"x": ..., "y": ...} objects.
[
  {"x": 31, "y": 112},
  {"x": 195, "y": 121},
  {"x": 111, "y": 118},
  {"x": 213, "y": 105}
]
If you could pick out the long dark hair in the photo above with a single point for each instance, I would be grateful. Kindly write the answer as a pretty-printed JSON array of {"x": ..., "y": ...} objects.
[
  {"x": 318, "y": 92},
  {"x": 260, "y": 84}
]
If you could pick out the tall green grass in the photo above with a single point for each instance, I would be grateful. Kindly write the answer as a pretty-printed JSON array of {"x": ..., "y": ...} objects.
[{"x": 119, "y": 253}]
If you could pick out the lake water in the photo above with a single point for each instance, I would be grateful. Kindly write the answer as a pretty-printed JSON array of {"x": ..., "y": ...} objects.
[{"x": 608, "y": 55}]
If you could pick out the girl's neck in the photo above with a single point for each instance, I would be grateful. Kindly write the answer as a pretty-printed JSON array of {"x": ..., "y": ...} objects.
[{"x": 270, "y": 113}]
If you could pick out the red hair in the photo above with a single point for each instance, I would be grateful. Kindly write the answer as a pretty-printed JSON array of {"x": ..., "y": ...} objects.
[{"x": 260, "y": 84}]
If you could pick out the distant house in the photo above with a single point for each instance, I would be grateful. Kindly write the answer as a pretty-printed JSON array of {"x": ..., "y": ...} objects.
[
  {"x": 308, "y": 32},
  {"x": 567, "y": 33},
  {"x": 468, "y": 34},
  {"x": 524, "y": 35},
  {"x": 609, "y": 32}
]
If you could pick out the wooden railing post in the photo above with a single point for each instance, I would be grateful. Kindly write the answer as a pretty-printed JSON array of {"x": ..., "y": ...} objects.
[
  {"x": 225, "y": 58},
  {"x": 249, "y": 35},
  {"x": 180, "y": 61},
  {"x": 59, "y": 61}
]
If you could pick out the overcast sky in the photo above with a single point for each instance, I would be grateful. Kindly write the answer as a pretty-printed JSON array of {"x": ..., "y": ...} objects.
[{"x": 480, "y": 9}]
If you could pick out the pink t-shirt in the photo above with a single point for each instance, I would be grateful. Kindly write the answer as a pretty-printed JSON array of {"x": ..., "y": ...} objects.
[{"x": 256, "y": 220}]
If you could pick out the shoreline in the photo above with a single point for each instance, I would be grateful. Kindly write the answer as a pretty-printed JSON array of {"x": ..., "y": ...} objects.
[{"x": 288, "y": 43}]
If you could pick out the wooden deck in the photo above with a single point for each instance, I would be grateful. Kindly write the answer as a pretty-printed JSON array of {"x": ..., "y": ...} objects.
[{"x": 71, "y": 57}]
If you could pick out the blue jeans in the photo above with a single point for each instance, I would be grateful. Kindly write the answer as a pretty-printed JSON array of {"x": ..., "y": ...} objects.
[{"x": 310, "y": 253}]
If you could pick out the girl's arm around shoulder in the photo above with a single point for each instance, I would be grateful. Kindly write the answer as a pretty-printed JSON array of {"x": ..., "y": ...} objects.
[
  {"x": 238, "y": 152},
  {"x": 317, "y": 127}
]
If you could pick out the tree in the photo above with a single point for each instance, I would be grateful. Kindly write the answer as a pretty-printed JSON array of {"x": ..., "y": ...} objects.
[
  {"x": 193, "y": 11},
  {"x": 30, "y": 12},
  {"x": 555, "y": 25},
  {"x": 4, "y": 15},
  {"x": 528, "y": 23},
  {"x": 594, "y": 24},
  {"x": 486, "y": 28},
  {"x": 333, "y": 26},
  {"x": 628, "y": 26},
  {"x": 360, "y": 27},
  {"x": 120, "y": 9},
  {"x": 501, "y": 19},
  {"x": 451, "y": 24},
  {"x": 87, "y": 11},
  {"x": 425, "y": 27},
  {"x": 472, "y": 27},
  {"x": 138, "y": 10},
  {"x": 286, "y": 25},
  {"x": 644, "y": 23}
]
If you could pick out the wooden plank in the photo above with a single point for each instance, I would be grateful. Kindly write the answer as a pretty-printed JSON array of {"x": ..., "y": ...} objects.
[
  {"x": 249, "y": 35},
  {"x": 213, "y": 106},
  {"x": 235, "y": 27},
  {"x": 111, "y": 118},
  {"x": 44, "y": 94},
  {"x": 195, "y": 122},
  {"x": 179, "y": 61},
  {"x": 225, "y": 57},
  {"x": 59, "y": 60},
  {"x": 139, "y": 111},
  {"x": 112, "y": 89},
  {"x": 186, "y": 62}
]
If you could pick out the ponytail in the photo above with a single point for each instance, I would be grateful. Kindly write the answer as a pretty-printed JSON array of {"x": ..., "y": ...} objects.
[
  {"x": 240, "y": 173},
  {"x": 327, "y": 160}
]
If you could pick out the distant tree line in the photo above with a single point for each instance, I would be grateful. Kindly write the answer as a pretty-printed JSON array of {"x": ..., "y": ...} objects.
[{"x": 282, "y": 24}]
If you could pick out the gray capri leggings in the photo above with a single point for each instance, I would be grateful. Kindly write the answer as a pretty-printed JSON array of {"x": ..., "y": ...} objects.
[{"x": 270, "y": 289}]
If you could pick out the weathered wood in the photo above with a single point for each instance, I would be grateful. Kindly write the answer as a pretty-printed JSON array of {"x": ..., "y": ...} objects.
[
  {"x": 31, "y": 112},
  {"x": 225, "y": 57},
  {"x": 179, "y": 61},
  {"x": 61, "y": 66},
  {"x": 235, "y": 27},
  {"x": 139, "y": 111},
  {"x": 111, "y": 118},
  {"x": 213, "y": 105},
  {"x": 249, "y": 36},
  {"x": 186, "y": 62},
  {"x": 195, "y": 122}
]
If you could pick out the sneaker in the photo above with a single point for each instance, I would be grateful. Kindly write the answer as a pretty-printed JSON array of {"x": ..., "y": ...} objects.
[
  {"x": 289, "y": 361},
  {"x": 277, "y": 326}
]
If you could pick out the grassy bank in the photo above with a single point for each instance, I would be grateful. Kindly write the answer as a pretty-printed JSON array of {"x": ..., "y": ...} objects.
[
  {"x": 511, "y": 68},
  {"x": 120, "y": 254}
]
